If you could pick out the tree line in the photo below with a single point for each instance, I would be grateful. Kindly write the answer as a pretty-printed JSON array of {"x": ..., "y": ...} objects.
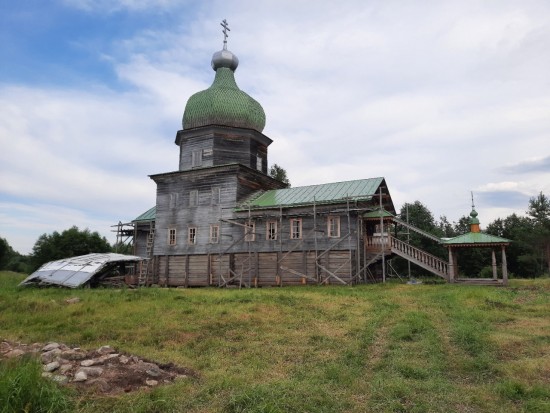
[
  {"x": 55, "y": 246},
  {"x": 528, "y": 254}
]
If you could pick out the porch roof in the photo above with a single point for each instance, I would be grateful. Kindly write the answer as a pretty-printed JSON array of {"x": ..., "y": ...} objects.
[
  {"x": 148, "y": 215},
  {"x": 475, "y": 239}
]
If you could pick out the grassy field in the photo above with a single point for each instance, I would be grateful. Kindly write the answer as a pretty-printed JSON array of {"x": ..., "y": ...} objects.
[{"x": 375, "y": 348}]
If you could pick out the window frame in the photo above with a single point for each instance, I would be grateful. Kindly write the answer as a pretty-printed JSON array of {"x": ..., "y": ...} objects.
[
  {"x": 296, "y": 234},
  {"x": 216, "y": 195},
  {"x": 193, "y": 198},
  {"x": 250, "y": 236},
  {"x": 268, "y": 234},
  {"x": 333, "y": 219},
  {"x": 192, "y": 233},
  {"x": 259, "y": 163},
  {"x": 172, "y": 237},
  {"x": 214, "y": 234},
  {"x": 196, "y": 158}
]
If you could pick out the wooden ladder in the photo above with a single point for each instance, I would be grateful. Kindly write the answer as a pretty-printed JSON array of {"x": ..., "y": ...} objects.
[{"x": 145, "y": 269}]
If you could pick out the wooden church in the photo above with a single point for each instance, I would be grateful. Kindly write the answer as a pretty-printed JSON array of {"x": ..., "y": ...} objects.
[{"x": 221, "y": 220}]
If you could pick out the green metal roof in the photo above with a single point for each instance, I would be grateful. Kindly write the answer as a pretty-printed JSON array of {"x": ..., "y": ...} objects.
[
  {"x": 358, "y": 190},
  {"x": 148, "y": 215},
  {"x": 472, "y": 238}
]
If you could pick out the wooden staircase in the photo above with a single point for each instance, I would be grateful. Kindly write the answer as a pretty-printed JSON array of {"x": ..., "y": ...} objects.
[
  {"x": 421, "y": 258},
  {"x": 391, "y": 245}
]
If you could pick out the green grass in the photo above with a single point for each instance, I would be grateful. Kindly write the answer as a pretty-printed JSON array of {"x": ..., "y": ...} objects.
[
  {"x": 22, "y": 389},
  {"x": 375, "y": 348}
]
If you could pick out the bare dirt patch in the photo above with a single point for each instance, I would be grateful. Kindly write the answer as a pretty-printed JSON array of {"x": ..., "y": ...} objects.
[{"x": 100, "y": 371}]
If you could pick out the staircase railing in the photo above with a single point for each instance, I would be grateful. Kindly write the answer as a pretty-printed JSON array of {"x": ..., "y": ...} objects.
[{"x": 421, "y": 258}]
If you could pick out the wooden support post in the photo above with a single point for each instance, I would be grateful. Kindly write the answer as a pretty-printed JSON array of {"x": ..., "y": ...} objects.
[
  {"x": 494, "y": 264},
  {"x": 504, "y": 266},
  {"x": 451, "y": 266}
]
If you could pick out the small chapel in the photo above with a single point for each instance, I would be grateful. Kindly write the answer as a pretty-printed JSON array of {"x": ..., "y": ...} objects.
[{"x": 222, "y": 220}]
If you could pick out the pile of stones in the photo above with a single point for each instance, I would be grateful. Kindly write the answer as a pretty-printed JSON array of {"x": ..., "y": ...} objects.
[{"x": 103, "y": 370}]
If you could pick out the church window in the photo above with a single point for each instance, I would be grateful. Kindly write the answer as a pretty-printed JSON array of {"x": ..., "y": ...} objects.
[
  {"x": 271, "y": 230},
  {"x": 172, "y": 236},
  {"x": 249, "y": 231},
  {"x": 193, "y": 198},
  {"x": 214, "y": 234},
  {"x": 333, "y": 227},
  {"x": 259, "y": 163},
  {"x": 174, "y": 200},
  {"x": 192, "y": 235},
  {"x": 295, "y": 228},
  {"x": 216, "y": 195},
  {"x": 196, "y": 158}
]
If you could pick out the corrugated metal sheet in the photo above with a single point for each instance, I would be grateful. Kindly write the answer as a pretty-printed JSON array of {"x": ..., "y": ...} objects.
[
  {"x": 76, "y": 271},
  {"x": 473, "y": 238},
  {"x": 148, "y": 215},
  {"x": 361, "y": 189}
]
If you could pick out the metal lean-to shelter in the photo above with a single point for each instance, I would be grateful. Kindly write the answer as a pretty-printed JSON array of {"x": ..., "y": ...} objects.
[{"x": 90, "y": 269}]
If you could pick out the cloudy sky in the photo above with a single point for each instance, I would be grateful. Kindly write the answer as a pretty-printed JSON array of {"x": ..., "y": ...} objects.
[{"x": 439, "y": 97}]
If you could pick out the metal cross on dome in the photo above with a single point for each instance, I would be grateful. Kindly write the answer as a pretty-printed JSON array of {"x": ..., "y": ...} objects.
[{"x": 224, "y": 31}]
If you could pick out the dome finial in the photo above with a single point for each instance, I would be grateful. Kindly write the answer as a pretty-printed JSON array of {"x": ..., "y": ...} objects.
[
  {"x": 224, "y": 58},
  {"x": 224, "y": 31},
  {"x": 474, "y": 222}
]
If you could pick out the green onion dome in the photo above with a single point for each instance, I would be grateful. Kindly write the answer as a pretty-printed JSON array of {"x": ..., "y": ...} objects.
[
  {"x": 223, "y": 103},
  {"x": 473, "y": 217}
]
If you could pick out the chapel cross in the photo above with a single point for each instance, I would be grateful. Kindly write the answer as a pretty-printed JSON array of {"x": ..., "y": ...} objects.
[{"x": 225, "y": 35}]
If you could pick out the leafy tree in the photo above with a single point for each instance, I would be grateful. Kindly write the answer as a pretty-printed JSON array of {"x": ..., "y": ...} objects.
[
  {"x": 70, "y": 243},
  {"x": 446, "y": 228},
  {"x": 11, "y": 260},
  {"x": 6, "y": 253},
  {"x": 278, "y": 173},
  {"x": 539, "y": 211},
  {"x": 421, "y": 217},
  {"x": 521, "y": 257}
]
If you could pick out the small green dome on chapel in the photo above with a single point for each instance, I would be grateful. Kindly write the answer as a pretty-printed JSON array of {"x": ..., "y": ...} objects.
[{"x": 223, "y": 103}]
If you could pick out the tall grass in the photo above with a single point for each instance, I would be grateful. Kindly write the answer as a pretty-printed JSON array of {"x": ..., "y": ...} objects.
[
  {"x": 374, "y": 348},
  {"x": 23, "y": 389}
]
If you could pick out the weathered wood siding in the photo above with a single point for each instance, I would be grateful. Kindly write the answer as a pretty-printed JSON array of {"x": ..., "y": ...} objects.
[
  {"x": 221, "y": 146},
  {"x": 176, "y": 211},
  {"x": 314, "y": 229},
  {"x": 253, "y": 269},
  {"x": 140, "y": 242}
]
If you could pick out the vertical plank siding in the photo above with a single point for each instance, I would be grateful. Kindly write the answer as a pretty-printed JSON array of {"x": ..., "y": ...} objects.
[{"x": 254, "y": 269}]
